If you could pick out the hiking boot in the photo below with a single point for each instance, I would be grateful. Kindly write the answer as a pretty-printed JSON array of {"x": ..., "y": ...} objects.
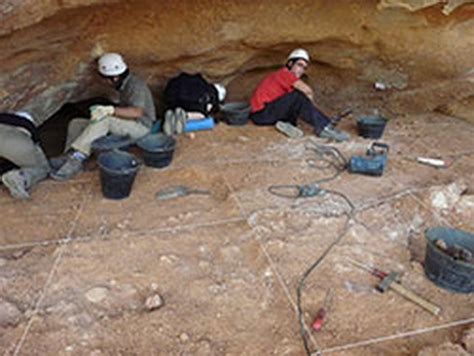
[
  {"x": 181, "y": 120},
  {"x": 16, "y": 184},
  {"x": 331, "y": 133},
  {"x": 57, "y": 162},
  {"x": 289, "y": 129},
  {"x": 69, "y": 169},
  {"x": 169, "y": 124}
]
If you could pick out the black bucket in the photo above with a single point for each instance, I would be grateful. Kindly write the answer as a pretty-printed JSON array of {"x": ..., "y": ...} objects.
[
  {"x": 158, "y": 149},
  {"x": 444, "y": 270},
  {"x": 117, "y": 173},
  {"x": 371, "y": 126},
  {"x": 235, "y": 114}
]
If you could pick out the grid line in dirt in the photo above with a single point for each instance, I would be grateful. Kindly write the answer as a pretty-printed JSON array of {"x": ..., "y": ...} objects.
[
  {"x": 271, "y": 263},
  {"x": 56, "y": 263}
]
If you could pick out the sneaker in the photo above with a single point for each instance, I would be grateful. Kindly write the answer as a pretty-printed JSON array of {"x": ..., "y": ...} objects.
[
  {"x": 69, "y": 169},
  {"x": 169, "y": 124},
  {"x": 331, "y": 133},
  {"x": 181, "y": 120},
  {"x": 16, "y": 184},
  {"x": 289, "y": 129}
]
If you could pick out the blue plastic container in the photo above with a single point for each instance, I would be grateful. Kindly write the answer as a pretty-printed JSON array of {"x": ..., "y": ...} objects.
[
  {"x": 117, "y": 173},
  {"x": 199, "y": 125},
  {"x": 443, "y": 269}
]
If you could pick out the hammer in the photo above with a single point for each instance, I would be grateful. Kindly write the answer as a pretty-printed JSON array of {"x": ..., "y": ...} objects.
[{"x": 391, "y": 282}]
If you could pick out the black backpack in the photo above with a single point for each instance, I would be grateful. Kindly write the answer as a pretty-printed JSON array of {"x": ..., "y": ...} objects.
[{"x": 192, "y": 93}]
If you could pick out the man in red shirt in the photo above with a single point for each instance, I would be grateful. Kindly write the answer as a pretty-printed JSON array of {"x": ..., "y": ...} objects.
[{"x": 283, "y": 96}]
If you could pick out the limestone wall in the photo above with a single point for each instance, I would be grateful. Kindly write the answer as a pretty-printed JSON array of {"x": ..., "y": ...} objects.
[{"x": 48, "y": 47}]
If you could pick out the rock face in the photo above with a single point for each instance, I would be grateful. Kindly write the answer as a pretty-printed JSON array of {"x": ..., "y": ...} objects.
[
  {"x": 414, "y": 5},
  {"x": 48, "y": 52}
]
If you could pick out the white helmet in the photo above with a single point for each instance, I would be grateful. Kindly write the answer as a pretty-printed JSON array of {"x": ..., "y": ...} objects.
[
  {"x": 111, "y": 64},
  {"x": 221, "y": 91},
  {"x": 298, "y": 53}
]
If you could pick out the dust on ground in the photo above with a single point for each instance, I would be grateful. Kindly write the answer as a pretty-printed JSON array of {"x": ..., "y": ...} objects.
[{"x": 214, "y": 275}]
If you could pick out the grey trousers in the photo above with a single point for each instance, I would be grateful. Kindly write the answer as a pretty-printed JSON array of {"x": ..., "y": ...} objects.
[
  {"x": 109, "y": 124},
  {"x": 74, "y": 130},
  {"x": 17, "y": 146}
]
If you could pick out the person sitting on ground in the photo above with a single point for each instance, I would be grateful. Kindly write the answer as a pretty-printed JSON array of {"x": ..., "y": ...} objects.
[
  {"x": 133, "y": 116},
  {"x": 19, "y": 144},
  {"x": 283, "y": 96},
  {"x": 190, "y": 97}
]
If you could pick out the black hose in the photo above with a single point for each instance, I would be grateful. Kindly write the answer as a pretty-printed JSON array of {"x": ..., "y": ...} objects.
[{"x": 327, "y": 157}]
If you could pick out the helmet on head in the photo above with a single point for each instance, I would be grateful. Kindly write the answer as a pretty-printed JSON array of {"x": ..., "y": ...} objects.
[
  {"x": 111, "y": 64},
  {"x": 298, "y": 53},
  {"x": 221, "y": 91}
]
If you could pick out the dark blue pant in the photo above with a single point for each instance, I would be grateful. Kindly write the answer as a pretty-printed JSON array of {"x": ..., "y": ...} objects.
[{"x": 289, "y": 108}]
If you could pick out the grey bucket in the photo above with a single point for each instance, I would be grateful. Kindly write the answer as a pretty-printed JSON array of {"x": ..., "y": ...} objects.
[
  {"x": 235, "y": 114},
  {"x": 444, "y": 270},
  {"x": 117, "y": 173},
  {"x": 158, "y": 149},
  {"x": 371, "y": 126}
]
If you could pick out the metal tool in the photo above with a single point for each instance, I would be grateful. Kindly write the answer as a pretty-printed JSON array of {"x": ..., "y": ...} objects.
[
  {"x": 179, "y": 191},
  {"x": 321, "y": 315},
  {"x": 391, "y": 281},
  {"x": 335, "y": 120}
]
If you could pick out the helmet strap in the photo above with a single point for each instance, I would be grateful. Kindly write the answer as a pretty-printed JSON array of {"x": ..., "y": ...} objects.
[{"x": 122, "y": 77}]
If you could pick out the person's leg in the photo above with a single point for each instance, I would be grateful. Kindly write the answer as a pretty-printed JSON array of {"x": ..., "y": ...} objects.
[
  {"x": 278, "y": 110},
  {"x": 312, "y": 115},
  {"x": 38, "y": 172},
  {"x": 131, "y": 128},
  {"x": 287, "y": 108},
  {"x": 18, "y": 147},
  {"x": 321, "y": 123},
  {"x": 93, "y": 131},
  {"x": 296, "y": 105},
  {"x": 75, "y": 128},
  {"x": 81, "y": 149},
  {"x": 96, "y": 129}
]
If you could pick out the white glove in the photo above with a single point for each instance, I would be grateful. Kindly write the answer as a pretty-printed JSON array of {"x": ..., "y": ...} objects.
[{"x": 98, "y": 112}]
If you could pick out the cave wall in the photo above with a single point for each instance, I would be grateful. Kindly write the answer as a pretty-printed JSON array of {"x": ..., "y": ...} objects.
[{"x": 48, "y": 47}]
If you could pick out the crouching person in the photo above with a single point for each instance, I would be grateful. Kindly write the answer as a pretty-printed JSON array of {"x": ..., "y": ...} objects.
[
  {"x": 19, "y": 144},
  {"x": 190, "y": 97},
  {"x": 283, "y": 97},
  {"x": 133, "y": 116}
]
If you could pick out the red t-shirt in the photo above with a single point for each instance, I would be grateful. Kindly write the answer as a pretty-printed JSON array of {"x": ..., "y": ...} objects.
[{"x": 272, "y": 87}]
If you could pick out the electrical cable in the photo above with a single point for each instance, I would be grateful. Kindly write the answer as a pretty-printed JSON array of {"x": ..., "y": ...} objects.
[
  {"x": 326, "y": 157},
  {"x": 309, "y": 270}
]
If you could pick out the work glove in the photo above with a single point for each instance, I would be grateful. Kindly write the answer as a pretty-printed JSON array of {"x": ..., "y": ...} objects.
[{"x": 98, "y": 112}]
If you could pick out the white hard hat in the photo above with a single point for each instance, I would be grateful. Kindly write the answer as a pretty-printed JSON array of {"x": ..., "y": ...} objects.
[
  {"x": 221, "y": 91},
  {"x": 25, "y": 115},
  {"x": 111, "y": 64},
  {"x": 299, "y": 53}
]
